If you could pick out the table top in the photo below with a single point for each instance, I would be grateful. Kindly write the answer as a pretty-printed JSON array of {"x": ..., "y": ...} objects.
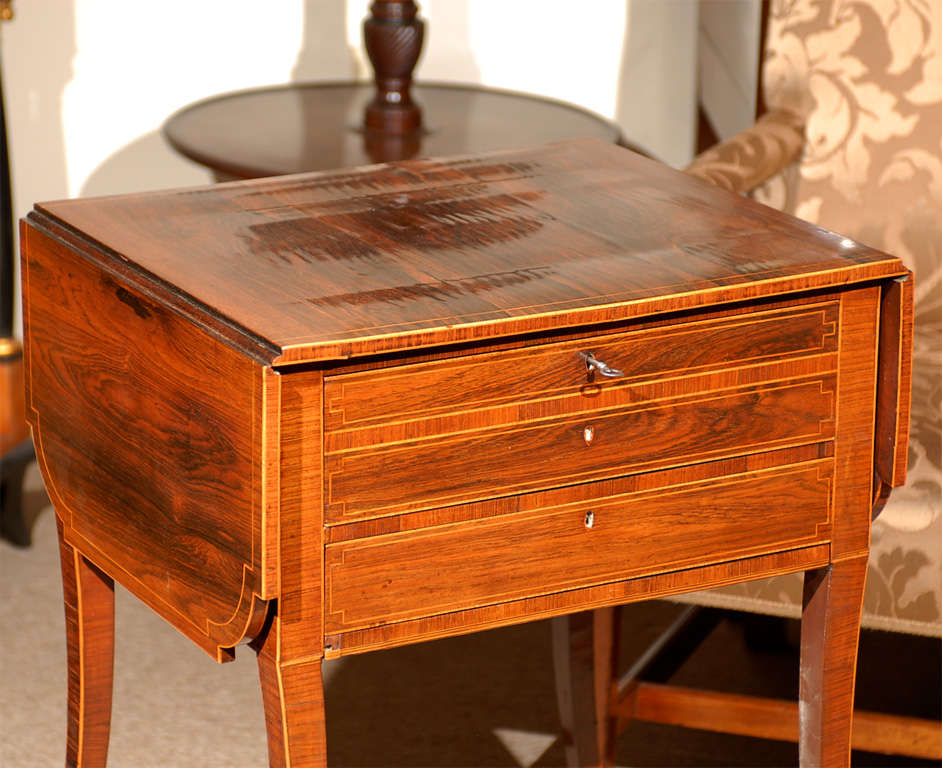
[
  {"x": 332, "y": 265},
  {"x": 316, "y": 126}
]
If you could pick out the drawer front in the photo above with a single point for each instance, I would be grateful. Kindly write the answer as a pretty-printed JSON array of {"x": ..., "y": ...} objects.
[
  {"x": 481, "y": 383},
  {"x": 480, "y": 464},
  {"x": 574, "y": 541}
]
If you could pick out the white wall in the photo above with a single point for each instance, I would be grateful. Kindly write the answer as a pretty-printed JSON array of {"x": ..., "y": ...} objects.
[
  {"x": 657, "y": 92},
  {"x": 728, "y": 63},
  {"x": 89, "y": 82}
]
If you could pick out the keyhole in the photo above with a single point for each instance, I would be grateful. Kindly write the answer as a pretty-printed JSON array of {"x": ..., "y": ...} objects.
[
  {"x": 589, "y": 519},
  {"x": 588, "y": 434}
]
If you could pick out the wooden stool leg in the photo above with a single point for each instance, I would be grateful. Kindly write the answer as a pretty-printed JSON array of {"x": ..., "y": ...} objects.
[
  {"x": 88, "y": 595},
  {"x": 585, "y": 649},
  {"x": 830, "y": 628},
  {"x": 293, "y": 699}
]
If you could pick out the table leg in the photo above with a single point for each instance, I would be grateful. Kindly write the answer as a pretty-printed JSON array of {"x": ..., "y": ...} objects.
[
  {"x": 293, "y": 699},
  {"x": 830, "y": 629},
  {"x": 88, "y": 595},
  {"x": 585, "y": 647}
]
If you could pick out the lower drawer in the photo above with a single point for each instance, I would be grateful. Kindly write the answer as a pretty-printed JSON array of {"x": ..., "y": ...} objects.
[{"x": 573, "y": 541}]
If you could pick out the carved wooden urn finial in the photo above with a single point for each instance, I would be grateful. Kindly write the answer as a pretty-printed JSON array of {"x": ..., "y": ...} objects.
[{"x": 393, "y": 36}]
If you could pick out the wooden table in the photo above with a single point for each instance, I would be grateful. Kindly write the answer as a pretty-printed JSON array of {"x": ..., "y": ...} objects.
[
  {"x": 347, "y": 411},
  {"x": 315, "y": 126},
  {"x": 304, "y": 127}
]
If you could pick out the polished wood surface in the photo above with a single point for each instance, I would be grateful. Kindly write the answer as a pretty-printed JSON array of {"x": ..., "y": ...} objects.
[
  {"x": 392, "y": 36},
  {"x": 561, "y": 603},
  {"x": 443, "y": 251},
  {"x": 895, "y": 385},
  {"x": 155, "y": 472},
  {"x": 496, "y": 559},
  {"x": 833, "y": 599},
  {"x": 773, "y": 719},
  {"x": 317, "y": 126},
  {"x": 349, "y": 411},
  {"x": 88, "y": 596},
  {"x": 690, "y": 353},
  {"x": 854, "y": 453},
  {"x": 387, "y": 480},
  {"x": 291, "y": 647},
  {"x": 293, "y": 701}
]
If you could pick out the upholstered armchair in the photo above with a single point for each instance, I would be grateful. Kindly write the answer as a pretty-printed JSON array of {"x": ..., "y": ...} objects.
[{"x": 852, "y": 141}]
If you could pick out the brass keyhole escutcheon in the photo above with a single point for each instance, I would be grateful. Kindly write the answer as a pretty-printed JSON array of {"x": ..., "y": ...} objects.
[
  {"x": 588, "y": 434},
  {"x": 589, "y": 519}
]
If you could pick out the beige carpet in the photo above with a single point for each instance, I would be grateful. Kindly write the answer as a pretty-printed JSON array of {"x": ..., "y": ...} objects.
[{"x": 480, "y": 700}]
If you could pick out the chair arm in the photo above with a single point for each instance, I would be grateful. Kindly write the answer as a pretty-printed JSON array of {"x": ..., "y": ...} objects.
[{"x": 754, "y": 155}]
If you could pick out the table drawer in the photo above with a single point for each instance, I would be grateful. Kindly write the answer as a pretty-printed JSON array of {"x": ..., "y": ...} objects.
[
  {"x": 479, "y": 464},
  {"x": 576, "y": 537},
  {"x": 481, "y": 383}
]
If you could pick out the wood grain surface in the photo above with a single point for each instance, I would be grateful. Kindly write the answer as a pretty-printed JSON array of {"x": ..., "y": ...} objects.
[
  {"x": 651, "y": 323},
  {"x": 830, "y": 629},
  {"x": 148, "y": 433},
  {"x": 290, "y": 646},
  {"x": 539, "y": 372},
  {"x": 88, "y": 598},
  {"x": 581, "y": 493},
  {"x": 894, "y": 388},
  {"x": 346, "y": 411},
  {"x": 316, "y": 126},
  {"x": 559, "y": 603},
  {"x": 469, "y": 564},
  {"x": 473, "y": 465},
  {"x": 855, "y": 425},
  {"x": 767, "y": 718},
  {"x": 346, "y": 263}
]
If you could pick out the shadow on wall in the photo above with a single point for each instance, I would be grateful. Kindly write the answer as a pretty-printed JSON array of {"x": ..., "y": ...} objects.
[
  {"x": 34, "y": 83},
  {"x": 324, "y": 50},
  {"x": 148, "y": 162},
  {"x": 659, "y": 57}
]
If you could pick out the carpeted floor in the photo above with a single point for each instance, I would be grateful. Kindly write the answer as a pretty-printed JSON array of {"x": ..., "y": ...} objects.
[{"x": 479, "y": 700}]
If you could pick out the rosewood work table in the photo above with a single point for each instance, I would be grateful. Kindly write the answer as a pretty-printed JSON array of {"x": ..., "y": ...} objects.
[{"x": 330, "y": 413}]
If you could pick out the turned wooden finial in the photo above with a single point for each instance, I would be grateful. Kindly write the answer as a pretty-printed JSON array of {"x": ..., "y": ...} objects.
[{"x": 393, "y": 36}]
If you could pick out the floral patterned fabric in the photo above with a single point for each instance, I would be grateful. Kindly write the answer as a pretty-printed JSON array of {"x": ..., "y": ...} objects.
[{"x": 866, "y": 75}]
